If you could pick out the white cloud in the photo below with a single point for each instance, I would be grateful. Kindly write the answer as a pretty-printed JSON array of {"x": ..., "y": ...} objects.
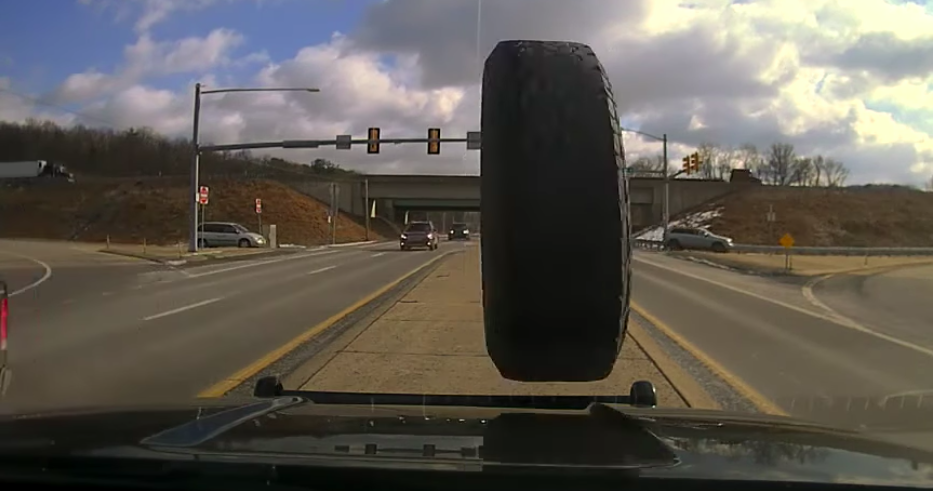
[
  {"x": 830, "y": 76},
  {"x": 149, "y": 58}
]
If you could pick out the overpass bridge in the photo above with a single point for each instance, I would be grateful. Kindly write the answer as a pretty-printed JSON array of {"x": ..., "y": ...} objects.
[{"x": 394, "y": 194}]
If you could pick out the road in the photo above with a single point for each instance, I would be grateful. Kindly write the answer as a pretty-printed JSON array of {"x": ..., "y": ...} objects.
[
  {"x": 89, "y": 328},
  {"x": 102, "y": 330},
  {"x": 896, "y": 302},
  {"x": 788, "y": 353}
]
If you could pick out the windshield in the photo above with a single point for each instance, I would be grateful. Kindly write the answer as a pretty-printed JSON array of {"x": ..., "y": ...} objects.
[
  {"x": 332, "y": 130},
  {"x": 419, "y": 227}
]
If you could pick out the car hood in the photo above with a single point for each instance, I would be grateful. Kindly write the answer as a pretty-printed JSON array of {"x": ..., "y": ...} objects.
[{"x": 656, "y": 442}]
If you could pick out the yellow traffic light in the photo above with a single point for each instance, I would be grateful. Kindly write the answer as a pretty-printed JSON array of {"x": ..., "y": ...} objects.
[
  {"x": 695, "y": 161},
  {"x": 686, "y": 166},
  {"x": 434, "y": 147},
  {"x": 373, "y": 146}
]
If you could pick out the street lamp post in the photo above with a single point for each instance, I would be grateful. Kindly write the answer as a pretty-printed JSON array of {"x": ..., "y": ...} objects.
[
  {"x": 196, "y": 148},
  {"x": 665, "y": 205}
]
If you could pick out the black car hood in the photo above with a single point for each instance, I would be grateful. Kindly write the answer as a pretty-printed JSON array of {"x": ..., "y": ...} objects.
[{"x": 657, "y": 442}]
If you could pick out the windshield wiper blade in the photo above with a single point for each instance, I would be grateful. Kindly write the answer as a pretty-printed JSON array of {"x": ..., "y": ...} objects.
[{"x": 641, "y": 394}]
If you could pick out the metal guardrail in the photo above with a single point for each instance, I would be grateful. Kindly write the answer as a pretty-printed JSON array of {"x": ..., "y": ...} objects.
[
  {"x": 836, "y": 251},
  {"x": 657, "y": 245}
]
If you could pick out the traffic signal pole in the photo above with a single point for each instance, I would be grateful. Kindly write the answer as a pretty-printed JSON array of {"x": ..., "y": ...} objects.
[
  {"x": 193, "y": 196},
  {"x": 667, "y": 191}
]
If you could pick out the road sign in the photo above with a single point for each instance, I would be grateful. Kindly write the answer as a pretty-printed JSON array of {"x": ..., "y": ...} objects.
[
  {"x": 344, "y": 142},
  {"x": 474, "y": 140},
  {"x": 787, "y": 241},
  {"x": 258, "y": 205},
  {"x": 203, "y": 195}
]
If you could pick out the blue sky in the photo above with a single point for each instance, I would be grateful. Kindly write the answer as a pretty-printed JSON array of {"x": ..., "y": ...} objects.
[{"x": 42, "y": 42}]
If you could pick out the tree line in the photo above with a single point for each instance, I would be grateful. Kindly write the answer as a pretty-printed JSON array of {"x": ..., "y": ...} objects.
[
  {"x": 139, "y": 152},
  {"x": 778, "y": 165}
]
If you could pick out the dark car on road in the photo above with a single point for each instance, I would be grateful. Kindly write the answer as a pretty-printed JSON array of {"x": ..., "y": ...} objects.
[
  {"x": 459, "y": 231},
  {"x": 418, "y": 235}
]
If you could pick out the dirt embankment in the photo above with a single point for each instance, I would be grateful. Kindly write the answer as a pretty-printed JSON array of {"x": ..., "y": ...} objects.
[
  {"x": 156, "y": 210},
  {"x": 853, "y": 217}
]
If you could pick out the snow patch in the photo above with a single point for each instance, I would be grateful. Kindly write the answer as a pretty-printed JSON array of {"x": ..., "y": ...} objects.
[{"x": 699, "y": 219}]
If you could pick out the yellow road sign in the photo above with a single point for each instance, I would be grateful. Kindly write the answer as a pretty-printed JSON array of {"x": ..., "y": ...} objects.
[{"x": 787, "y": 241}]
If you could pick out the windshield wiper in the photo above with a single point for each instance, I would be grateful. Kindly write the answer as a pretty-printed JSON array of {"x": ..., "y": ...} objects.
[{"x": 640, "y": 394}]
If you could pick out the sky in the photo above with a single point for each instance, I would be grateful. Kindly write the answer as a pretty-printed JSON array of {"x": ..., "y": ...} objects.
[{"x": 848, "y": 79}]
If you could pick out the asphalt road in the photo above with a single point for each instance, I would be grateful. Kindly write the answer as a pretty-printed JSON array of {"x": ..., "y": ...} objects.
[
  {"x": 785, "y": 351},
  {"x": 103, "y": 330},
  {"x": 896, "y": 302}
]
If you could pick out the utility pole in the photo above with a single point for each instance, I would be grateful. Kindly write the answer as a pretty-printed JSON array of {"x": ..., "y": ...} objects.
[
  {"x": 195, "y": 164},
  {"x": 197, "y": 148},
  {"x": 366, "y": 199},
  {"x": 667, "y": 191}
]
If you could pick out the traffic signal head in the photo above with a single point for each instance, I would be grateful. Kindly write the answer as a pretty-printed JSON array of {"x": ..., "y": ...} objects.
[
  {"x": 686, "y": 165},
  {"x": 373, "y": 146},
  {"x": 695, "y": 161},
  {"x": 434, "y": 147}
]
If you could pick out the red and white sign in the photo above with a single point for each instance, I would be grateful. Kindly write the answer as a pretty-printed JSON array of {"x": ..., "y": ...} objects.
[
  {"x": 203, "y": 193},
  {"x": 258, "y": 205}
]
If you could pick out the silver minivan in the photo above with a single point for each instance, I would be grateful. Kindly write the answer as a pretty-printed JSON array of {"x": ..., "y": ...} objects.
[
  {"x": 696, "y": 238},
  {"x": 228, "y": 234}
]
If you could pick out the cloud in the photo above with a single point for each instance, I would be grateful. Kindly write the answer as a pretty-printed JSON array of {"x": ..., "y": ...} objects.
[
  {"x": 148, "y": 58},
  {"x": 846, "y": 79}
]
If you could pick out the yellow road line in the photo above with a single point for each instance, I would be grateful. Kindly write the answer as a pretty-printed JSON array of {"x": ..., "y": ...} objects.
[
  {"x": 761, "y": 402},
  {"x": 229, "y": 383}
]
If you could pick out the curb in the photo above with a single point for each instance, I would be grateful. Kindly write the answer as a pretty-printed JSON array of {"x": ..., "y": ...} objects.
[
  {"x": 686, "y": 386},
  {"x": 203, "y": 259}
]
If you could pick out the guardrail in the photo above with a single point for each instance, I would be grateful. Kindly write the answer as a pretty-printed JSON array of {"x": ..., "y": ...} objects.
[{"x": 656, "y": 245}]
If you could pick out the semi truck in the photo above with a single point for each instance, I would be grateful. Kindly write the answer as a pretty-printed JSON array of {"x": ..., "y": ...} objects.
[{"x": 33, "y": 169}]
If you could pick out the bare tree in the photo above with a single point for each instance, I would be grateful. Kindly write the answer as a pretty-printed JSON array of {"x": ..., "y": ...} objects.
[
  {"x": 778, "y": 165},
  {"x": 836, "y": 173},
  {"x": 747, "y": 157},
  {"x": 802, "y": 172},
  {"x": 709, "y": 156}
]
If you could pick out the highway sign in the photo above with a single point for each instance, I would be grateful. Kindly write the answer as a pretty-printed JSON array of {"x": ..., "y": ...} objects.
[
  {"x": 344, "y": 142},
  {"x": 474, "y": 140},
  {"x": 203, "y": 195},
  {"x": 258, "y": 205},
  {"x": 787, "y": 241}
]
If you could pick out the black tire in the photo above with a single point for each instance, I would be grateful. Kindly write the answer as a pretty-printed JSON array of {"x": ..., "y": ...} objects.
[
  {"x": 674, "y": 245},
  {"x": 202, "y": 244},
  {"x": 552, "y": 154},
  {"x": 243, "y": 243},
  {"x": 719, "y": 247}
]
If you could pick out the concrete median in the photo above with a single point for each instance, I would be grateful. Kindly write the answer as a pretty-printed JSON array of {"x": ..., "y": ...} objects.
[{"x": 431, "y": 341}]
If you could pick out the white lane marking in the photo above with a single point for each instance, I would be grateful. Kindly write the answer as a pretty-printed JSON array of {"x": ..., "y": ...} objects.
[
  {"x": 844, "y": 322},
  {"x": 182, "y": 309},
  {"x": 378, "y": 254},
  {"x": 261, "y": 263},
  {"x": 45, "y": 276},
  {"x": 316, "y": 271}
]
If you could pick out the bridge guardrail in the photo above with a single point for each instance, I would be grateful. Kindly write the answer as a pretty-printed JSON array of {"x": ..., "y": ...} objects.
[{"x": 657, "y": 245}]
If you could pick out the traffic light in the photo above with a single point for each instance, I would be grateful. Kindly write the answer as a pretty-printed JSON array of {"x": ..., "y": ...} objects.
[
  {"x": 373, "y": 146},
  {"x": 692, "y": 163},
  {"x": 434, "y": 147}
]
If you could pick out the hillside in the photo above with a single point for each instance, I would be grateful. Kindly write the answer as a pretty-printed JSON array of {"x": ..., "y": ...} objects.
[
  {"x": 156, "y": 210},
  {"x": 854, "y": 217}
]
